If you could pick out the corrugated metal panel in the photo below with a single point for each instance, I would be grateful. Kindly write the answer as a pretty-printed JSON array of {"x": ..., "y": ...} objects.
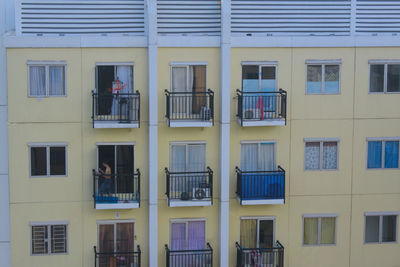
[
  {"x": 69, "y": 17},
  {"x": 189, "y": 17},
  {"x": 378, "y": 16},
  {"x": 291, "y": 17}
]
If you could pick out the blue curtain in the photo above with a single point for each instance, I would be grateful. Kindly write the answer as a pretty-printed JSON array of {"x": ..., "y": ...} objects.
[
  {"x": 374, "y": 154},
  {"x": 392, "y": 154}
]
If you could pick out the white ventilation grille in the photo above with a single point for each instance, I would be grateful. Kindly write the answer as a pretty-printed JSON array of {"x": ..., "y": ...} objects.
[
  {"x": 291, "y": 17},
  {"x": 182, "y": 17},
  {"x": 378, "y": 16},
  {"x": 68, "y": 17}
]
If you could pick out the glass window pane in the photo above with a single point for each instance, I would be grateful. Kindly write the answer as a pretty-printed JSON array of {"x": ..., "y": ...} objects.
[
  {"x": 391, "y": 154},
  {"x": 266, "y": 157},
  {"x": 389, "y": 228},
  {"x": 393, "y": 80},
  {"x": 106, "y": 237},
  {"x": 58, "y": 239},
  {"x": 249, "y": 157},
  {"x": 197, "y": 158},
  {"x": 178, "y": 236},
  {"x": 372, "y": 229},
  {"x": 57, "y": 161},
  {"x": 268, "y": 81},
  {"x": 248, "y": 233},
  {"x": 314, "y": 79},
  {"x": 329, "y": 159},
  {"x": 37, "y": 80},
  {"x": 39, "y": 239},
  {"x": 374, "y": 154},
  {"x": 312, "y": 155},
  {"x": 57, "y": 80},
  {"x": 38, "y": 161},
  {"x": 331, "y": 79},
  {"x": 196, "y": 235},
  {"x": 376, "y": 78},
  {"x": 310, "y": 231},
  {"x": 328, "y": 230},
  {"x": 178, "y": 158},
  {"x": 125, "y": 237},
  {"x": 179, "y": 79},
  {"x": 266, "y": 235},
  {"x": 250, "y": 78}
]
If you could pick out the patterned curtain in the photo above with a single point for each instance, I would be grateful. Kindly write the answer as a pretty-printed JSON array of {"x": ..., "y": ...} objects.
[
  {"x": 329, "y": 153},
  {"x": 312, "y": 155}
]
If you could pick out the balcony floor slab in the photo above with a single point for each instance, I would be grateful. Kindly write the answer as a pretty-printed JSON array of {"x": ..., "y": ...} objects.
[
  {"x": 114, "y": 125},
  {"x": 116, "y": 206},
  {"x": 262, "y": 202},
  {"x": 189, "y": 123},
  {"x": 189, "y": 203},
  {"x": 272, "y": 122}
]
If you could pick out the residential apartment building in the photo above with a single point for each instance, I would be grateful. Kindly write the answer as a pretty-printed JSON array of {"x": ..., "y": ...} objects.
[{"x": 201, "y": 133}]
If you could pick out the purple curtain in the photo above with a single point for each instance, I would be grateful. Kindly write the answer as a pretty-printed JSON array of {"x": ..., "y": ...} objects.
[
  {"x": 196, "y": 232},
  {"x": 178, "y": 239}
]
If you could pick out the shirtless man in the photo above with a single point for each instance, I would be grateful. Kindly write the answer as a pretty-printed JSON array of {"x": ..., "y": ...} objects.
[{"x": 106, "y": 185}]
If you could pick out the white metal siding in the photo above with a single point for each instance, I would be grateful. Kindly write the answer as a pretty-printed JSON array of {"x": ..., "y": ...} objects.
[
  {"x": 189, "y": 17},
  {"x": 378, "y": 16},
  {"x": 291, "y": 17},
  {"x": 74, "y": 17}
]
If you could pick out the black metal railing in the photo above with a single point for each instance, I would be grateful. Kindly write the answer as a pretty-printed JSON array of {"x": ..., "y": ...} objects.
[
  {"x": 189, "y": 185},
  {"x": 260, "y": 257},
  {"x": 116, "y": 107},
  {"x": 260, "y": 185},
  {"x": 117, "y": 259},
  {"x": 190, "y": 258},
  {"x": 261, "y": 106},
  {"x": 116, "y": 188},
  {"x": 190, "y": 106}
]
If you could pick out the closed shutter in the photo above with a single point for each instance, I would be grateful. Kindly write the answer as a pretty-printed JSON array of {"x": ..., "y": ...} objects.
[
  {"x": 58, "y": 239},
  {"x": 189, "y": 17},
  {"x": 378, "y": 16},
  {"x": 291, "y": 17},
  {"x": 74, "y": 17},
  {"x": 39, "y": 239}
]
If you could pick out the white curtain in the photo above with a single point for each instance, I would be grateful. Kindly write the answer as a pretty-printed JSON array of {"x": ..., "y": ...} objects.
[
  {"x": 178, "y": 158},
  {"x": 312, "y": 155},
  {"x": 125, "y": 75},
  {"x": 249, "y": 157},
  {"x": 329, "y": 153},
  {"x": 266, "y": 157},
  {"x": 37, "y": 80},
  {"x": 179, "y": 79},
  {"x": 56, "y": 80},
  {"x": 257, "y": 157},
  {"x": 197, "y": 157},
  {"x": 191, "y": 79}
]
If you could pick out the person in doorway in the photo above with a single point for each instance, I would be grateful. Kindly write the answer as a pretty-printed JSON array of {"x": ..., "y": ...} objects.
[{"x": 105, "y": 187}]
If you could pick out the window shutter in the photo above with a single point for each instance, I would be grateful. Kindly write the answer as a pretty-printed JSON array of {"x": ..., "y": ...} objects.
[
  {"x": 58, "y": 238},
  {"x": 377, "y": 17},
  {"x": 39, "y": 239}
]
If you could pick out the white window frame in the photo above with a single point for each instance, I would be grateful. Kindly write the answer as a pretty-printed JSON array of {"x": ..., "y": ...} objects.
[
  {"x": 320, "y": 216},
  {"x": 114, "y": 222},
  {"x": 47, "y": 64},
  {"x": 187, "y": 65},
  {"x": 383, "y": 140},
  {"x": 186, "y": 144},
  {"x": 262, "y": 218},
  {"x": 129, "y": 64},
  {"x": 324, "y": 63},
  {"x": 259, "y": 143},
  {"x": 381, "y": 214},
  {"x": 261, "y": 64},
  {"x": 321, "y": 142},
  {"x": 48, "y": 226},
  {"x": 186, "y": 221},
  {"x": 48, "y": 146},
  {"x": 385, "y": 73}
]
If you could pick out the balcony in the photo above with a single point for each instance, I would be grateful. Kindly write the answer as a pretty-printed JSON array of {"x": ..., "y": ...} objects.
[
  {"x": 119, "y": 191},
  {"x": 190, "y": 258},
  {"x": 188, "y": 189},
  {"x": 260, "y": 257},
  {"x": 261, "y": 108},
  {"x": 116, "y": 110},
  {"x": 260, "y": 187},
  {"x": 190, "y": 109},
  {"x": 117, "y": 259}
]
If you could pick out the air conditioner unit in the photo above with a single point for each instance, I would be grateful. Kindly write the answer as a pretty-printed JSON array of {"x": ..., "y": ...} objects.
[
  {"x": 201, "y": 193},
  {"x": 251, "y": 114}
]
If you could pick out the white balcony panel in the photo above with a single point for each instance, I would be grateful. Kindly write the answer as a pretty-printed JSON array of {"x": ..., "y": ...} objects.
[
  {"x": 117, "y": 206},
  {"x": 290, "y": 17},
  {"x": 378, "y": 17},
  {"x": 188, "y": 17},
  {"x": 189, "y": 203},
  {"x": 68, "y": 17}
]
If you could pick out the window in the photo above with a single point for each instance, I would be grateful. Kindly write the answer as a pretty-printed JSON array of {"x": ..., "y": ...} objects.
[
  {"x": 48, "y": 159},
  {"x": 319, "y": 229},
  {"x": 188, "y": 234},
  {"x": 46, "y": 79},
  {"x": 257, "y": 232},
  {"x": 257, "y": 156},
  {"x": 321, "y": 154},
  {"x": 383, "y": 154},
  {"x": 380, "y": 227},
  {"x": 384, "y": 77},
  {"x": 188, "y": 157},
  {"x": 49, "y": 238},
  {"x": 323, "y": 77},
  {"x": 259, "y": 77}
]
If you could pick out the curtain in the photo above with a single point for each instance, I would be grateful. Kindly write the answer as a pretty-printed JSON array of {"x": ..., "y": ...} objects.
[
  {"x": 37, "y": 80},
  {"x": 329, "y": 155},
  {"x": 178, "y": 236},
  {"x": 328, "y": 230},
  {"x": 310, "y": 231},
  {"x": 125, "y": 237},
  {"x": 248, "y": 233},
  {"x": 312, "y": 157},
  {"x": 56, "y": 80},
  {"x": 391, "y": 154},
  {"x": 266, "y": 157},
  {"x": 197, "y": 157},
  {"x": 106, "y": 236},
  {"x": 248, "y": 157},
  {"x": 198, "y": 86},
  {"x": 125, "y": 75},
  {"x": 374, "y": 154},
  {"x": 178, "y": 102},
  {"x": 178, "y": 158},
  {"x": 196, "y": 235}
]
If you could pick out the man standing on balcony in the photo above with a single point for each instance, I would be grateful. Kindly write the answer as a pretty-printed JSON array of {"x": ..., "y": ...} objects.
[{"x": 106, "y": 174}]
